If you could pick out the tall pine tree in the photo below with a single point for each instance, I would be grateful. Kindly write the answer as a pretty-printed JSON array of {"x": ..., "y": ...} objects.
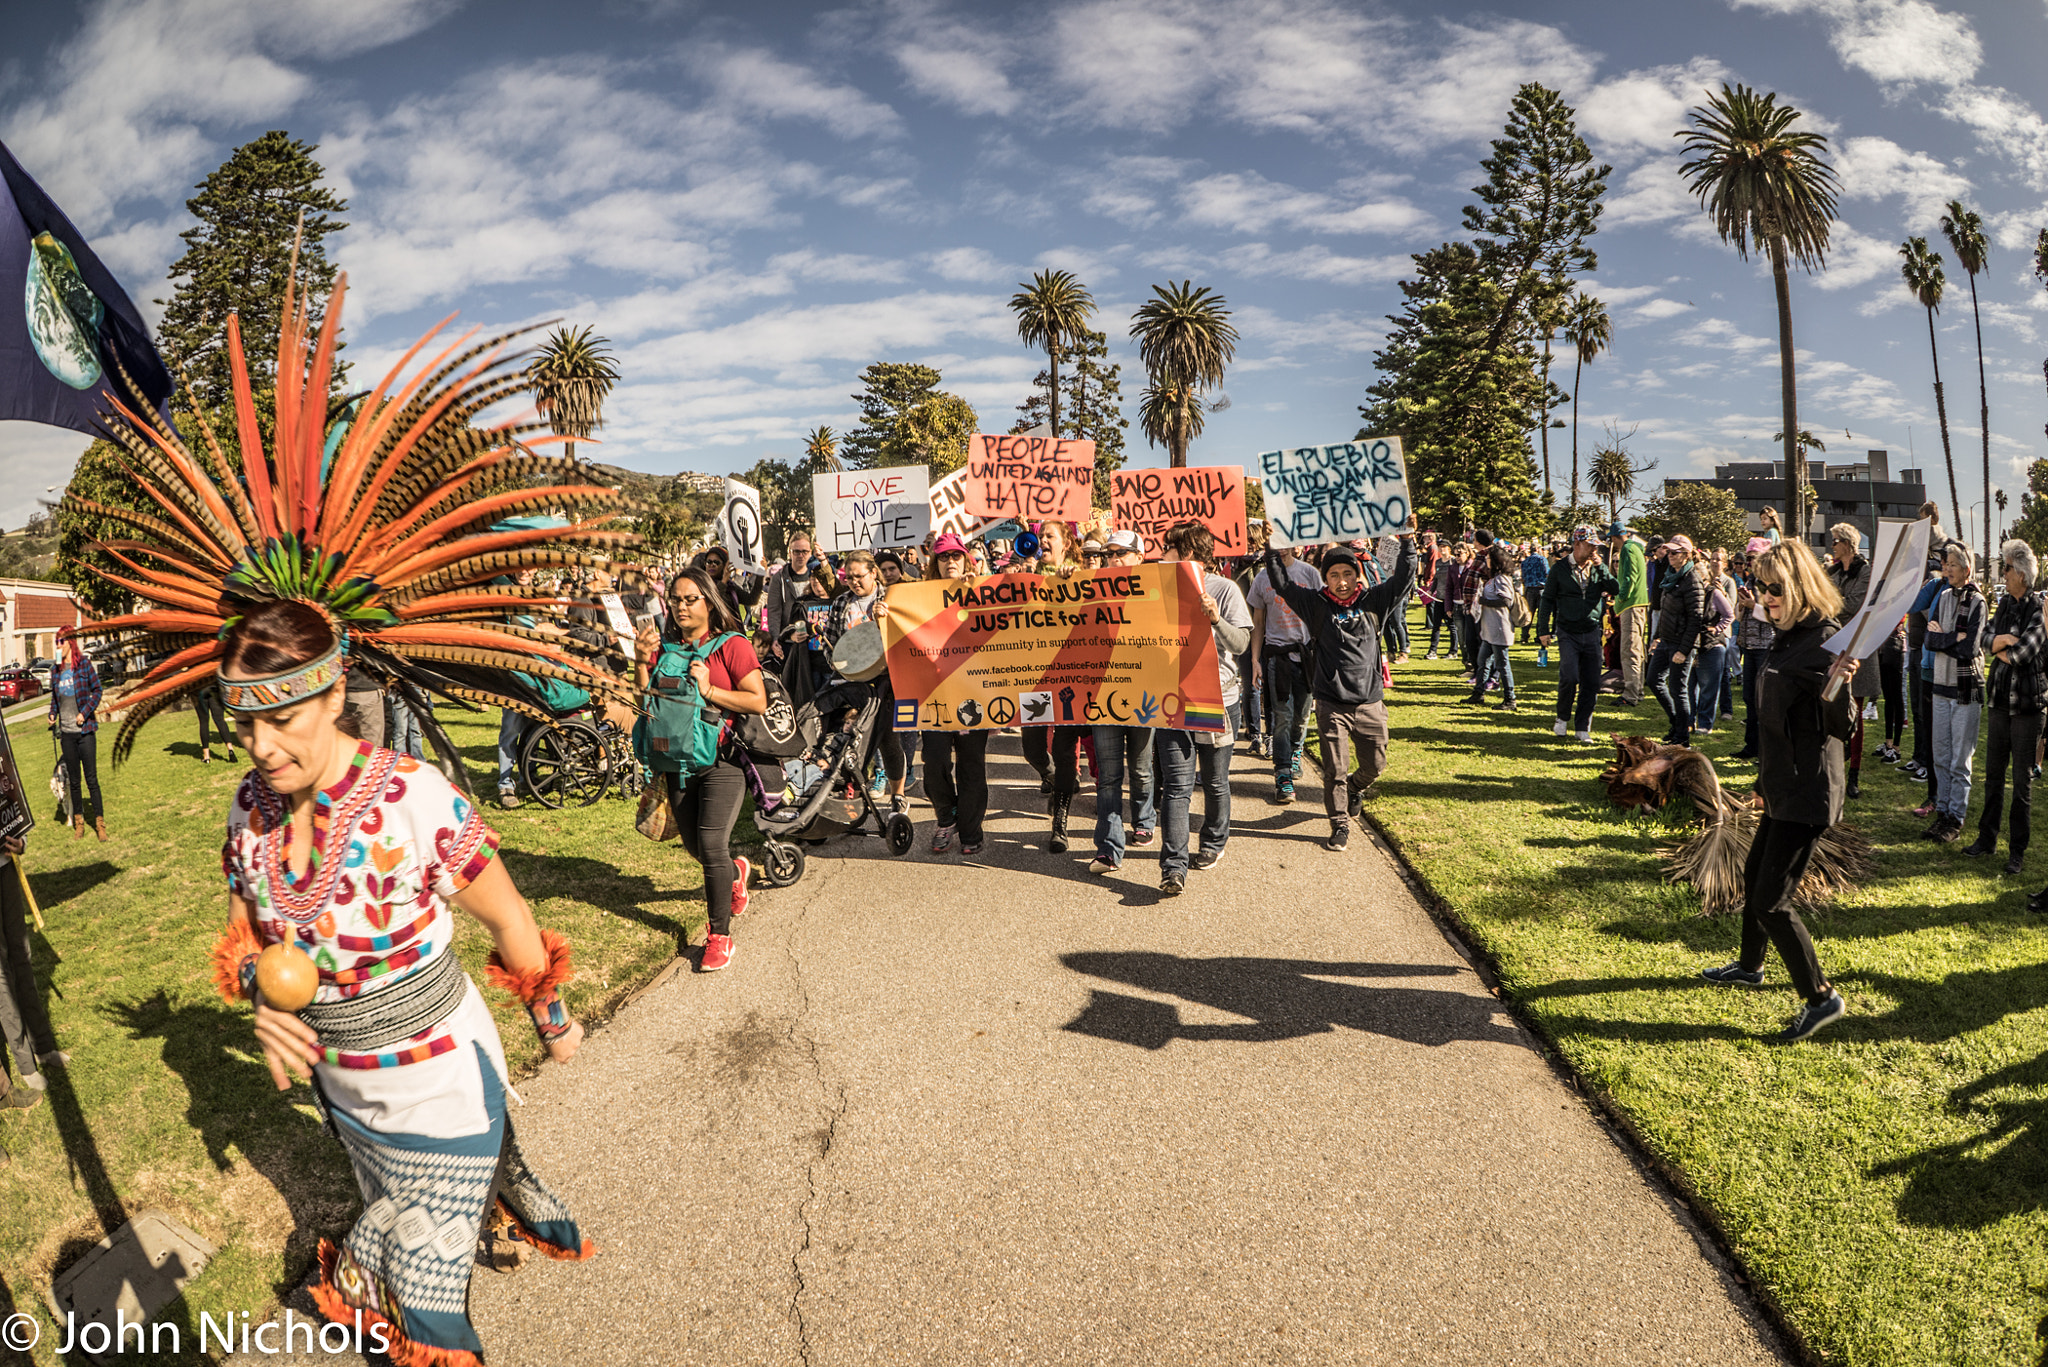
[
  {"x": 238, "y": 260},
  {"x": 1091, "y": 406},
  {"x": 906, "y": 419},
  {"x": 1463, "y": 411}
]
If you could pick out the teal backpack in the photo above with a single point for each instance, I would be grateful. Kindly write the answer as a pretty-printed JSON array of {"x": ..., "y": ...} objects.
[{"x": 681, "y": 731}]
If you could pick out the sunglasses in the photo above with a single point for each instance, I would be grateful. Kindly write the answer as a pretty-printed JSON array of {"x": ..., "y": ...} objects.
[{"x": 1770, "y": 590}]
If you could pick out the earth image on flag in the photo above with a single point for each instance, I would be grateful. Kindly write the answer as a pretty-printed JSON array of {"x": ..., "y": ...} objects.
[{"x": 63, "y": 315}]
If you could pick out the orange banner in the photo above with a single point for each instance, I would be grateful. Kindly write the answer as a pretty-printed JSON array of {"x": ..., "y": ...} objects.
[{"x": 1123, "y": 647}]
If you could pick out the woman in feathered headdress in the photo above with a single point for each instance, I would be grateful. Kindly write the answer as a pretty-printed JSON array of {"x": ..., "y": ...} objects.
[{"x": 345, "y": 862}]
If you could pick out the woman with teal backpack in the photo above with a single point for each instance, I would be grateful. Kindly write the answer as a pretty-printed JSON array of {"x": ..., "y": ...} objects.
[{"x": 703, "y": 669}]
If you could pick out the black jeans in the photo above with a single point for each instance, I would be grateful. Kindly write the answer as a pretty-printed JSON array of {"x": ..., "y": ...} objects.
[
  {"x": 81, "y": 754},
  {"x": 956, "y": 779},
  {"x": 1438, "y": 619},
  {"x": 1671, "y": 681},
  {"x": 2013, "y": 738},
  {"x": 1922, "y": 697},
  {"x": 1891, "y": 676},
  {"x": 1777, "y": 861},
  {"x": 207, "y": 703},
  {"x": 706, "y": 805},
  {"x": 1578, "y": 676},
  {"x": 1055, "y": 749}
]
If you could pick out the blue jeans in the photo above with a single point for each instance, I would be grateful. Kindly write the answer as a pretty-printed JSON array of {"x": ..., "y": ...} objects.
[
  {"x": 406, "y": 737},
  {"x": 1672, "y": 683},
  {"x": 1118, "y": 748},
  {"x": 1251, "y": 705},
  {"x": 1287, "y": 685},
  {"x": 1707, "y": 666},
  {"x": 1492, "y": 659},
  {"x": 511, "y": 731},
  {"x": 1955, "y": 750},
  {"x": 1184, "y": 760},
  {"x": 1578, "y": 676}
]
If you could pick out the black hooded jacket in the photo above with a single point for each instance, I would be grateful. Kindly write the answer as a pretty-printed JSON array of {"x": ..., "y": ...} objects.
[
  {"x": 1800, "y": 738},
  {"x": 1346, "y": 637},
  {"x": 1681, "y": 608}
]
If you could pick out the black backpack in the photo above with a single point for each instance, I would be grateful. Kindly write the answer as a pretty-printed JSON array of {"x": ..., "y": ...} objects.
[{"x": 777, "y": 733}]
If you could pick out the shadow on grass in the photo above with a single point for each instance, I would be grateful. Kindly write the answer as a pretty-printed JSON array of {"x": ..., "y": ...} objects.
[
  {"x": 600, "y": 884},
  {"x": 1282, "y": 999},
  {"x": 2000, "y": 1172},
  {"x": 234, "y": 1106}
]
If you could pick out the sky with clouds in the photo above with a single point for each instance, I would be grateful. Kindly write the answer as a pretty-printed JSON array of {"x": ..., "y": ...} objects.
[{"x": 755, "y": 201}]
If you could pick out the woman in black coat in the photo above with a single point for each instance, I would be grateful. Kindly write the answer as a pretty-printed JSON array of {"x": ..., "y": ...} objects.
[{"x": 1801, "y": 779}]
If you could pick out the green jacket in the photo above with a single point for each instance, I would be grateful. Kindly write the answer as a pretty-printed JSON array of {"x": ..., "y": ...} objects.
[
  {"x": 1634, "y": 577},
  {"x": 1572, "y": 606}
]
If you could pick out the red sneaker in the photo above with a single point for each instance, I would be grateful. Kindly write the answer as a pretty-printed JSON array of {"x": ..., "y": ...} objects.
[
  {"x": 740, "y": 896},
  {"x": 717, "y": 953},
  {"x": 1924, "y": 809}
]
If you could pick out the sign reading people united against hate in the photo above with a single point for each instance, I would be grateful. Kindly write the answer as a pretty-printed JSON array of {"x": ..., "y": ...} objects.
[
  {"x": 872, "y": 509},
  {"x": 1341, "y": 492},
  {"x": 1150, "y": 501},
  {"x": 1030, "y": 478},
  {"x": 1126, "y": 647}
]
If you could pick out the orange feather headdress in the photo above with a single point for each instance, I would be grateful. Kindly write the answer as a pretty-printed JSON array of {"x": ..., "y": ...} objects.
[{"x": 392, "y": 539}]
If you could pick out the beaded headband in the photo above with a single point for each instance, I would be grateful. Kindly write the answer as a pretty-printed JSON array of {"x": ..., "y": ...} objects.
[{"x": 284, "y": 690}]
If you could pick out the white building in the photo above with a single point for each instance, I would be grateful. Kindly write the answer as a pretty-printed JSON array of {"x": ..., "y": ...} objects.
[{"x": 31, "y": 615}]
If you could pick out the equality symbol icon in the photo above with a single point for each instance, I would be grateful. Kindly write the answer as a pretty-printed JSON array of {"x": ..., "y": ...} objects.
[{"x": 1001, "y": 711}]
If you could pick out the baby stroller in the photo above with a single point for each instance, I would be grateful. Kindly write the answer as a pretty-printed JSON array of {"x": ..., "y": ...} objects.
[{"x": 824, "y": 775}]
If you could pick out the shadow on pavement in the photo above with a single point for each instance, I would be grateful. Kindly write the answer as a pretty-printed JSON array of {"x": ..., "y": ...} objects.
[{"x": 1281, "y": 999}]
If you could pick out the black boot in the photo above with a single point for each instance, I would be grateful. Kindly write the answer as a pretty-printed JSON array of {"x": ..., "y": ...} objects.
[
  {"x": 1059, "y": 806},
  {"x": 1854, "y": 789}
]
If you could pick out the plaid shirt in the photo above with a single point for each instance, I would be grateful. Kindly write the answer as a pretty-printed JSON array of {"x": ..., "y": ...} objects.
[
  {"x": 2019, "y": 682},
  {"x": 1471, "y": 578},
  {"x": 85, "y": 688}
]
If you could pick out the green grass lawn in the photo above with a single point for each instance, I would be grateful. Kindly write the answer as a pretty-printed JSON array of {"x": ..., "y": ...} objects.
[
  {"x": 167, "y": 1102},
  {"x": 1883, "y": 1183}
]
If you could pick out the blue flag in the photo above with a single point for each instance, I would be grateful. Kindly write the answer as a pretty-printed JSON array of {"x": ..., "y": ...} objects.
[{"x": 65, "y": 324}]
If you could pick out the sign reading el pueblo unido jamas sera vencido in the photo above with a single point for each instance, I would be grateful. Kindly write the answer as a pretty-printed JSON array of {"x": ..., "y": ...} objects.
[
  {"x": 1340, "y": 492},
  {"x": 1122, "y": 646}
]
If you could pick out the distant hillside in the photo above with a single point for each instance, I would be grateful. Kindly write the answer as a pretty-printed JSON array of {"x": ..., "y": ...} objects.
[{"x": 659, "y": 488}]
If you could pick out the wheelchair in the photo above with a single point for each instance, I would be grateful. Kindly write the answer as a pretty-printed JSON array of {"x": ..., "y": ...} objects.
[{"x": 573, "y": 759}]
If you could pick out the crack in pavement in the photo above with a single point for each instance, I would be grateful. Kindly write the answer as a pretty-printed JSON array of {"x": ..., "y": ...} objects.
[{"x": 823, "y": 1137}]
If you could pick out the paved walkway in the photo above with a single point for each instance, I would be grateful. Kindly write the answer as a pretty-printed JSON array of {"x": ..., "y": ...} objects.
[{"x": 1001, "y": 1111}]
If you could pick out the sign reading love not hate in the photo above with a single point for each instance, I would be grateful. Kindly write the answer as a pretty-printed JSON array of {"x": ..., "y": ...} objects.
[
  {"x": 1031, "y": 479},
  {"x": 870, "y": 509},
  {"x": 1350, "y": 489},
  {"x": 1150, "y": 501}
]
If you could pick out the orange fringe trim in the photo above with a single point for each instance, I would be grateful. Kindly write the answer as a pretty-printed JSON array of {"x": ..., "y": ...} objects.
[
  {"x": 402, "y": 1350},
  {"x": 237, "y": 941},
  {"x": 539, "y": 984},
  {"x": 542, "y": 1246}
]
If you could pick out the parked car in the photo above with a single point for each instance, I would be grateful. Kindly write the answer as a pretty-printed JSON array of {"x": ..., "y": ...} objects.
[
  {"x": 19, "y": 685},
  {"x": 42, "y": 666}
]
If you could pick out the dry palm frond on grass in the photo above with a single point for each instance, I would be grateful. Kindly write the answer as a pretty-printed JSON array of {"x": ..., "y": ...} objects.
[{"x": 1646, "y": 774}]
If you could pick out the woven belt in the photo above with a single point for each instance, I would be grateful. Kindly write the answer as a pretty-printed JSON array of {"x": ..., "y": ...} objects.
[{"x": 405, "y": 1008}]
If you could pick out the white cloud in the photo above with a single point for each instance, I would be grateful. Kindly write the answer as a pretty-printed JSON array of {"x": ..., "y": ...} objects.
[
  {"x": 34, "y": 457},
  {"x": 131, "y": 102},
  {"x": 1640, "y": 111},
  {"x": 758, "y": 81},
  {"x": 1661, "y": 308},
  {"x": 1855, "y": 258},
  {"x": 966, "y": 263},
  {"x": 1314, "y": 263},
  {"x": 1892, "y": 41},
  {"x": 1878, "y": 168},
  {"x": 1246, "y": 202}
]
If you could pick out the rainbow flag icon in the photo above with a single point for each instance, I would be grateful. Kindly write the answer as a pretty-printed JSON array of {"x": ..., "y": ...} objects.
[{"x": 1204, "y": 718}]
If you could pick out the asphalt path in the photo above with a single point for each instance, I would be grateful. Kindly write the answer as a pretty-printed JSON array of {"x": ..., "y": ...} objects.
[{"x": 953, "y": 1111}]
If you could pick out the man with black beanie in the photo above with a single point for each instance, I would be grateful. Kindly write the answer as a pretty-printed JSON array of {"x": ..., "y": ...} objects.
[{"x": 1343, "y": 620}]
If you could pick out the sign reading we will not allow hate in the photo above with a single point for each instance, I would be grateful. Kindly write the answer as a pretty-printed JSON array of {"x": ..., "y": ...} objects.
[
  {"x": 872, "y": 509},
  {"x": 1149, "y": 502},
  {"x": 1340, "y": 492}
]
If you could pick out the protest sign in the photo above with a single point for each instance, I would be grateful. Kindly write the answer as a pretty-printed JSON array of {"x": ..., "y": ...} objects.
[
  {"x": 1899, "y": 560},
  {"x": 740, "y": 526},
  {"x": 871, "y": 509},
  {"x": 1127, "y": 647},
  {"x": 1030, "y": 478},
  {"x": 1340, "y": 492},
  {"x": 1150, "y": 501}
]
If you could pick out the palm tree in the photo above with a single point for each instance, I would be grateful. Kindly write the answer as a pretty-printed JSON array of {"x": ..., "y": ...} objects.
[
  {"x": 1998, "y": 497},
  {"x": 1185, "y": 340},
  {"x": 571, "y": 376},
  {"x": 1965, "y": 233},
  {"x": 1923, "y": 275},
  {"x": 1612, "y": 477},
  {"x": 821, "y": 451},
  {"x": 1762, "y": 182},
  {"x": 1588, "y": 328},
  {"x": 1052, "y": 311},
  {"x": 1548, "y": 313}
]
